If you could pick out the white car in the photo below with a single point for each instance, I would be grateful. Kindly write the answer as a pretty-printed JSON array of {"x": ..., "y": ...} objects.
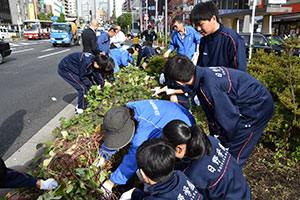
[{"x": 4, "y": 33}]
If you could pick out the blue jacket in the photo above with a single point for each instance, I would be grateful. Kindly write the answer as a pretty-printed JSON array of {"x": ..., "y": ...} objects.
[
  {"x": 121, "y": 57},
  {"x": 152, "y": 116},
  {"x": 232, "y": 100},
  {"x": 145, "y": 52},
  {"x": 225, "y": 47},
  {"x": 217, "y": 176},
  {"x": 104, "y": 43},
  {"x": 81, "y": 64},
  {"x": 177, "y": 187},
  {"x": 187, "y": 47}
]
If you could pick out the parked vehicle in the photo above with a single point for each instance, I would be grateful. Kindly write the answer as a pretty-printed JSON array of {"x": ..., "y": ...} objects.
[
  {"x": 64, "y": 33},
  {"x": 4, "y": 33},
  {"x": 37, "y": 29},
  {"x": 267, "y": 42},
  {"x": 4, "y": 50}
]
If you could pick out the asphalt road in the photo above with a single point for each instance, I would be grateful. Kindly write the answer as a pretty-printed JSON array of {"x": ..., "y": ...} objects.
[{"x": 32, "y": 92}]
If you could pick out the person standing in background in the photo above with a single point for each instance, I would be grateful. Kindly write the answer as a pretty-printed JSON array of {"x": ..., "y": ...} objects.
[
  {"x": 104, "y": 41},
  {"x": 118, "y": 38},
  {"x": 89, "y": 38},
  {"x": 149, "y": 36}
]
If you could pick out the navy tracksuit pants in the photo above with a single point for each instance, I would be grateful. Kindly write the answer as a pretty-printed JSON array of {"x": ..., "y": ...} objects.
[
  {"x": 80, "y": 86},
  {"x": 243, "y": 144},
  {"x": 16, "y": 179}
]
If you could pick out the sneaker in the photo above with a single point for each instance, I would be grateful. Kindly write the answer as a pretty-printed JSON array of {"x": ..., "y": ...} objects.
[{"x": 78, "y": 110}]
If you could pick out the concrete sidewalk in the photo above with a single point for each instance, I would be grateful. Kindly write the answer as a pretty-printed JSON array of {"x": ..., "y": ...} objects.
[{"x": 29, "y": 150}]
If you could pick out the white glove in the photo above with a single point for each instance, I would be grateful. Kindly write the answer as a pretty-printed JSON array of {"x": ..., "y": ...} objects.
[
  {"x": 195, "y": 58},
  {"x": 162, "y": 79},
  {"x": 107, "y": 84},
  {"x": 99, "y": 162},
  {"x": 127, "y": 195},
  {"x": 48, "y": 184},
  {"x": 107, "y": 189},
  {"x": 155, "y": 91},
  {"x": 170, "y": 91}
]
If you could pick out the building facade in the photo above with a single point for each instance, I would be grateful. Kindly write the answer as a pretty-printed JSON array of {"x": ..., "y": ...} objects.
[
  {"x": 5, "y": 16},
  {"x": 70, "y": 8}
]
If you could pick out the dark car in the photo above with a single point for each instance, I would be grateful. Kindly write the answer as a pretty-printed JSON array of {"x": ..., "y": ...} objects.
[
  {"x": 267, "y": 42},
  {"x": 4, "y": 50}
]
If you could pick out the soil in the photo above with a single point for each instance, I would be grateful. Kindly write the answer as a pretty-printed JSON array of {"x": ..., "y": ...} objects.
[{"x": 272, "y": 178}]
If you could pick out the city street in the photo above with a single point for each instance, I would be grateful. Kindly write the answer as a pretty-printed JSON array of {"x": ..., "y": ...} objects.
[{"x": 32, "y": 92}]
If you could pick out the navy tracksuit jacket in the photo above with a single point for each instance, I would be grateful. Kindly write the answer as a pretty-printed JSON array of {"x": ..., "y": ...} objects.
[
  {"x": 16, "y": 179},
  {"x": 145, "y": 52},
  {"x": 225, "y": 47},
  {"x": 75, "y": 68},
  {"x": 238, "y": 107},
  {"x": 217, "y": 176},
  {"x": 177, "y": 187}
]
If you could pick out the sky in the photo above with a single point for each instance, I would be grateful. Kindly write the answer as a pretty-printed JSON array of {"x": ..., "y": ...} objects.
[{"x": 119, "y": 4}]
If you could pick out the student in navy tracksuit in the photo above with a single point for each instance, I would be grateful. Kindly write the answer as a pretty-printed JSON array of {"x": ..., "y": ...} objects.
[
  {"x": 145, "y": 52},
  {"x": 134, "y": 123},
  {"x": 10, "y": 178},
  {"x": 206, "y": 162},
  {"x": 238, "y": 107},
  {"x": 220, "y": 46},
  {"x": 104, "y": 41},
  {"x": 76, "y": 68},
  {"x": 121, "y": 57},
  {"x": 156, "y": 161}
]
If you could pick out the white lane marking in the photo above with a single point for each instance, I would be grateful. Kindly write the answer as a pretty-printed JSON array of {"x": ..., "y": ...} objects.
[
  {"x": 53, "y": 53},
  {"x": 12, "y": 48},
  {"x": 51, "y": 49},
  {"x": 25, "y": 43},
  {"x": 13, "y": 45},
  {"x": 22, "y": 50}
]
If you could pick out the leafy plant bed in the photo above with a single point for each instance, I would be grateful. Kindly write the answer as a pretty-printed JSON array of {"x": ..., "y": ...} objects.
[{"x": 69, "y": 159}]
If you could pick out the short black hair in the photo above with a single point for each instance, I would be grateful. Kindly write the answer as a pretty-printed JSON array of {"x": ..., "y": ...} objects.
[
  {"x": 130, "y": 50},
  {"x": 129, "y": 35},
  {"x": 113, "y": 29},
  {"x": 149, "y": 26},
  {"x": 178, "y": 132},
  {"x": 156, "y": 158},
  {"x": 179, "y": 68},
  {"x": 204, "y": 11},
  {"x": 178, "y": 19},
  {"x": 101, "y": 60},
  {"x": 3, "y": 172}
]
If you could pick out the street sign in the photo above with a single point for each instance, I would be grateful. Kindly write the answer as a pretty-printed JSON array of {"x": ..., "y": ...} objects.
[
  {"x": 277, "y": 2},
  {"x": 54, "y": 18}
]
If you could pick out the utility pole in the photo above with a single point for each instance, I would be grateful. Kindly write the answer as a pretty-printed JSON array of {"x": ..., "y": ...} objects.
[
  {"x": 95, "y": 9},
  {"x": 146, "y": 14},
  {"x": 166, "y": 22},
  {"x": 156, "y": 15},
  {"x": 141, "y": 15},
  {"x": 251, "y": 28}
]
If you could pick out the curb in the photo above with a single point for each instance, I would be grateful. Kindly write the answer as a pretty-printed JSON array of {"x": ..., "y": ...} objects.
[{"x": 29, "y": 150}]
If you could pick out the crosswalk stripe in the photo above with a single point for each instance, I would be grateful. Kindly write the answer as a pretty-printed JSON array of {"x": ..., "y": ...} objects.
[
  {"x": 51, "y": 49},
  {"x": 22, "y": 50},
  {"x": 13, "y": 45},
  {"x": 53, "y": 53}
]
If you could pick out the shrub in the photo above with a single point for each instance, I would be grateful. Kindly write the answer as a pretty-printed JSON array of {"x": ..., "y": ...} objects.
[{"x": 281, "y": 75}]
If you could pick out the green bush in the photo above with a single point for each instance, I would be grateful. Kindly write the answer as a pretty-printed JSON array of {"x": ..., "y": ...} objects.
[{"x": 281, "y": 75}]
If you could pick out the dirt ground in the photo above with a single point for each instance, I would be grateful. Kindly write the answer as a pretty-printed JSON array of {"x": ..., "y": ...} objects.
[{"x": 272, "y": 178}]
